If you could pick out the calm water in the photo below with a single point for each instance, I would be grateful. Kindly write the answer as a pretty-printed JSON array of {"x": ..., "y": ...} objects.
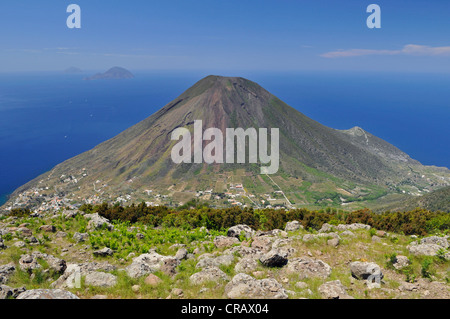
[{"x": 48, "y": 118}]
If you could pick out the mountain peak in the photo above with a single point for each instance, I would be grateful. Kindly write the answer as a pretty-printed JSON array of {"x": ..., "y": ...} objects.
[{"x": 309, "y": 153}]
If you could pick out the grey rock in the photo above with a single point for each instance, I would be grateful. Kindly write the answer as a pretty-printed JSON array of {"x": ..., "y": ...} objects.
[
  {"x": 19, "y": 244},
  {"x": 61, "y": 234},
  {"x": 68, "y": 278},
  {"x": 401, "y": 262},
  {"x": 236, "y": 231},
  {"x": 145, "y": 264},
  {"x": 364, "y": 270},
  {"x": 424, "y": 249},
  {"x": 326, "y": 228},
  {"x": 70, "y": 213},
  {"x": 208, "y": 274},
  {"x": 354, "y": 226},
  {"x": 6, "y": 271},
  {"x": 441, "y": 241},
  {"x": 140, "y": 236},
  {"x": 245, "y": 286},
  {"x": 30, "y": 262},
  {"x": 246, "y": 265},
  {"x": 48, "y": 228},
  {"x": 100, "y": 279},
  {"x": 47, "y": 294},
  {"x": 7, "y": 292},
  {"x": 97, "y": 222},
  {"x": 208, "y": 260},
  {"x": 263, "y": 243},
  {"x": 334, "y": 290},
  {"x": 224, "y": 242},
  {"x": 80, "y": 237},
  {"x": 307, "y": 267},
  {"x": 334, "y": 242},
  {"x": 181, "y": 254},
  {"x": 103, "y": 252},
  {"x": 293, "y": 226}
]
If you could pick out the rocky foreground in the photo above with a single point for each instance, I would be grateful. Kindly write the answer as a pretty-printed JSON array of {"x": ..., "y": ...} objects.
[{"x": 71, "y": 255}]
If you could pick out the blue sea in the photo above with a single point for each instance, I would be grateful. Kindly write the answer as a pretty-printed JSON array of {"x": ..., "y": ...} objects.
[{"x": 46, "y": 118}]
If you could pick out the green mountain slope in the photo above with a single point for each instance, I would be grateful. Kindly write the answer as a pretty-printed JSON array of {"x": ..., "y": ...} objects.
[{"x": 318, "y": 165}]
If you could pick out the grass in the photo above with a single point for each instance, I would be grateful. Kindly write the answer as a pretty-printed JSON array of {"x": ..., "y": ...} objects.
[{"x": 124, "y": 241}]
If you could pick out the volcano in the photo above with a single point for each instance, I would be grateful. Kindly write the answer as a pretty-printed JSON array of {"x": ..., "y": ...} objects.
[{"x": 318, "y": 165}]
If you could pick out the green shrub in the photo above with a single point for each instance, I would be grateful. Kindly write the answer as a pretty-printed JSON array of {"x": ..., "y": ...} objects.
[{"x": 426, "y": 270}]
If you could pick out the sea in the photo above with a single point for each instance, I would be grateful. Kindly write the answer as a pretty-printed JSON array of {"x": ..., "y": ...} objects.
[{"x": 48, "y": 117}]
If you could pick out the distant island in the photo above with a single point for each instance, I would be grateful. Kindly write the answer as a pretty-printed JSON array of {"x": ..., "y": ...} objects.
[
  {"x": 72, "y": 70},
  {"x": 113, "y": 73}
]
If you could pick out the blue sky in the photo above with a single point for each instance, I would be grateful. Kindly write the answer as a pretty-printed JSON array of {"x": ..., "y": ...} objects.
[{"x": 227, "y": 35}]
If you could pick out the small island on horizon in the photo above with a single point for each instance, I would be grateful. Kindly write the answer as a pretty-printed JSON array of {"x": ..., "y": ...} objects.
[{"x": 113, "y": 73}]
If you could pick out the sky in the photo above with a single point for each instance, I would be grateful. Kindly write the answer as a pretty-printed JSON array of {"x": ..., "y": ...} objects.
[{"x": 225, "y": 35}]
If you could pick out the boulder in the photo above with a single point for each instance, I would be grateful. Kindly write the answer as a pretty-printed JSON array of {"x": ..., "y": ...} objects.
[
  {"x": 208, "y": 260},
  {"x": 208, "y": 274},
  {"x": 263, "y": 243},
  {"x": 19, "y": 244},
  {"x": 274, "y": 258},
  {"x": 61, "y": 234},
  {"x": 80, "y": 237},
  {"x": 334, "y": 242},
  {"x": 48, "y": 228},
  {"x": 224, "y": 242},
  {"x": 326, "y": 228},
  {"x": 7, "y": 292},
  {"x": 424, "y": 249},
  {"x": 74, "y": 272},
  {"x": 237, "y": 230},
  {"x": 401, "y": 262},
  {"x": 436, "y": 240},
  {"x": 364, "y": 270},
  {"x": 96, "y": 222},
  {"x": 140, "y": 236},
  {"x": 100, "y": 279},
  {"x": 6, "y": 271},
  {"x": 146, "y": 264},
  {"x": 103, "y": 252},
  {"x": 70, "y": 213},
  {"x": 169, "y": 266},
  {"x": 246, "y": 265},
  {"x": 354, "y": 226},
  {"x": 181, "y": 254},
  {"x": 31, "y": 262},
  {"x": 245, "y": 286},
  {"x": 25, "y": 232},
  {"x": 47, "y": 294},
  {"x": 334, "y": 290},
  {"x": 307, "y": 267},
  {"x": 244, "y": 251},
  {"x": 293, "y": 226}
]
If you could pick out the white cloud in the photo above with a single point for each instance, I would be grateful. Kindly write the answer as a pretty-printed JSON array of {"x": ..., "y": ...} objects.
[{"x": 410, "y": 49}]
